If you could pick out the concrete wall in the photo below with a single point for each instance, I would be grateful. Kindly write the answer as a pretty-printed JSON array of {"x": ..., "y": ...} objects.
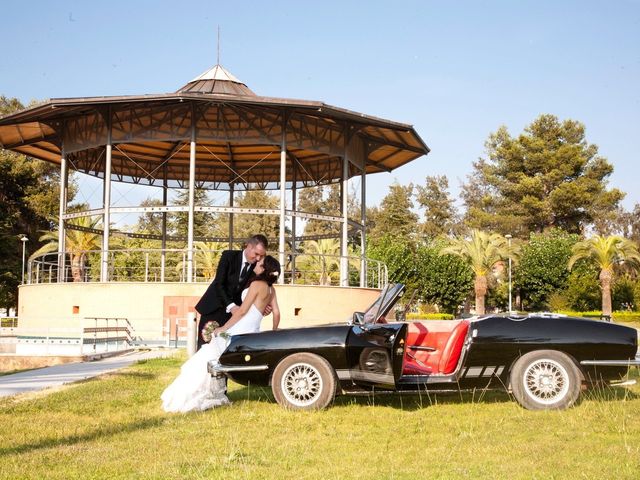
[{"x": 62, "y": 308}]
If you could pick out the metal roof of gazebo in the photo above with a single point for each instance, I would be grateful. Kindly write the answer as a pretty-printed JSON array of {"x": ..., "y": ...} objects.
[
  {"x": 239, "y": 136},
  {"x": 213, "y": 133}
]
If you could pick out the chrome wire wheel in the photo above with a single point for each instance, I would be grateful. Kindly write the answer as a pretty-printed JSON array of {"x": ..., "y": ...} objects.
[
  {"x": 546, "y": 381},
  {"x": 301, "y": 384}
]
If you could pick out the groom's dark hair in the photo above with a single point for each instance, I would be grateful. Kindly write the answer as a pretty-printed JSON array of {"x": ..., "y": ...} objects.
[{"x": 259, "y": 238}]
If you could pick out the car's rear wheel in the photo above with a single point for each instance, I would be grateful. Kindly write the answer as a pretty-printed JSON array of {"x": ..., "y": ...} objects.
[
  {"x": 304, "y": 381},
  {"x": 545, "y": 380}
]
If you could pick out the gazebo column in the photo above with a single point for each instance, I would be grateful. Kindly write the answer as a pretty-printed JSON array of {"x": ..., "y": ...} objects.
[
  {"x": 363, "y": 222},
  {"x": 283, "y": 191},
  {"x": 294, "y": 204},
  {"x": 165, "y": 189},
  {"x": 106, "y": 217},
  {"x": 64, "y": 185},
  {"x": 344, "y": 194},
  {"x": 192, "y": 192},
  {"x": 231, "y": 192}
]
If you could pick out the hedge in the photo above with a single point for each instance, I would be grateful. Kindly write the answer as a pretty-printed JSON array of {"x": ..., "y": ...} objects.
[
  {"x": 624, "y": 316},
  {"x": 429, "y": 316}
]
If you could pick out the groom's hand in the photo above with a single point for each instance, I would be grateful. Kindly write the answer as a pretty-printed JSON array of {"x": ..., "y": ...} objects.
[
  {"x": 233, "y": 309},
  {"x": 267, "y": 310}
]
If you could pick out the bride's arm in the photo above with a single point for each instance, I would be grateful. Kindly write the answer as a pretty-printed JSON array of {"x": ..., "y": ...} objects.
[
  {"x": 275, "y": 310},
  {"x": 241, "y": 310}
]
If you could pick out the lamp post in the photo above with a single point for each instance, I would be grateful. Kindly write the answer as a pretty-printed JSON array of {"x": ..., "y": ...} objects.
[
  {"x": 509, "y": 237},
  {"x": 24, "y": 239}
]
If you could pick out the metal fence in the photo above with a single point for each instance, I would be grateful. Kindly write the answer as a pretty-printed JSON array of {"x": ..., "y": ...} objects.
[
  {"x": 93, "y": 336},
  {"x": 170, "y": 265}
]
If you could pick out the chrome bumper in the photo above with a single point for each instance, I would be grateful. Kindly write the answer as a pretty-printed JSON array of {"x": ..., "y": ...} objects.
[
  {"x": 217, "y": 370},
  {"x": 613, "y": 363}
]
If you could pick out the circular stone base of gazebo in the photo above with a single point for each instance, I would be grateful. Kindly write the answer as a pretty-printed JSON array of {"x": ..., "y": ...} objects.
[{"x": 154, "y": 310}]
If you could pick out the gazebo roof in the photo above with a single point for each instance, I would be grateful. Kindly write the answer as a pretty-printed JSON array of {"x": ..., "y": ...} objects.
[{"x": 238, "y": 135}]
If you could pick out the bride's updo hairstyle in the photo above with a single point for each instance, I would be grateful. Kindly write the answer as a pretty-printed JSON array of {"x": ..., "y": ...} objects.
[{"x": 271, "y": 271}]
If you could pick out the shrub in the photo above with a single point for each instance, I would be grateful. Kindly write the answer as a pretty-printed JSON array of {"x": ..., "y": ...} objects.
[
  {"x": 583, "y": 290},
  {"x": 542, "y": 267},
  {"x": 429, "y": 316},
  {"x": 623, "y": 293},
  {"x": 625, "y": 316}
]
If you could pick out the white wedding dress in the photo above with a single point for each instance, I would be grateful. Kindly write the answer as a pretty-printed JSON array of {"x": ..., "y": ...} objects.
[{"x": 195, "y": 389}]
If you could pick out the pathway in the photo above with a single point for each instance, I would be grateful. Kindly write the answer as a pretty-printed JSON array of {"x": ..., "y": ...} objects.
[{"x": 41, "y": 378}]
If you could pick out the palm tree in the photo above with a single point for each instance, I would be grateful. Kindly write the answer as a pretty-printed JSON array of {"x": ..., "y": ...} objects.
[
  {"x": 323, "y": 257},
  {"x": 206, "y": 258},
  {"x": 482, "y": 251},
  {"x": 606, "y": 253},
  {"x": 77, "y": 244}
]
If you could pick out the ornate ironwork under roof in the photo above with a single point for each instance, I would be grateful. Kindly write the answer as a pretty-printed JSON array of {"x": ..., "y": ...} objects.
[{"x": 238, "y": 136}]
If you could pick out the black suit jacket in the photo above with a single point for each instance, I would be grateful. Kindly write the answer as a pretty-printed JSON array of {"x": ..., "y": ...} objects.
[{"x": 225, "y": 288}]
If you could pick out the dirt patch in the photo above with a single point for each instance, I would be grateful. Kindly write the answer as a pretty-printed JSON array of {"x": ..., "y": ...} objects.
[{"x": 9, "y": 363}]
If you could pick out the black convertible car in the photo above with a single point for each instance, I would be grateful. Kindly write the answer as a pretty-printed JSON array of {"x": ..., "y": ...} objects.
[{"x": 544, "y": 359}]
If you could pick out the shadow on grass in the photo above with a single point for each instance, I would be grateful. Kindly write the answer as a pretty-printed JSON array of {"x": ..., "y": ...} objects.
[
  {"x": 134, "y": 374},
  {"x": 605, "y": 393},
  {"x": 254, "y": 393},
  {"x": 99, "y": 433},
  {"x": 412, "y": 401}
]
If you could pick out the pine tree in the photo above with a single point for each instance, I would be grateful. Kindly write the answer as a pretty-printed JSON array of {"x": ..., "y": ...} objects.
[{"x": 549, "y": 176}]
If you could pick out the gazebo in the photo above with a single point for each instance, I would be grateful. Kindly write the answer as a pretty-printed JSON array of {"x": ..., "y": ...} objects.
[{"x": 212, "y": 133}]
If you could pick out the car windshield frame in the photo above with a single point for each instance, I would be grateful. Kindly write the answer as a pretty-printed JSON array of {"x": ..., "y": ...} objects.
[{"x": 383, "y": 304}]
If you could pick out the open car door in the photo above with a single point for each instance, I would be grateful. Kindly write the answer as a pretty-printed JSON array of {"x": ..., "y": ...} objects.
[{"x": 375, "y": 348}]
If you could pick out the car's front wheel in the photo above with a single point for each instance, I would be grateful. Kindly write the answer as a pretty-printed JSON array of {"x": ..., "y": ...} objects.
[
  {"x": 545, "y": 380},
  {"x": 304, "y": 381}
]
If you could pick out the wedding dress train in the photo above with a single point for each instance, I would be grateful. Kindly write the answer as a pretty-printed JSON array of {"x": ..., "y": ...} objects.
[{"x": 195, "y": 389}]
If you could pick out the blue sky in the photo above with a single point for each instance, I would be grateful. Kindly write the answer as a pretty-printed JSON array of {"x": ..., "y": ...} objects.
[{"x": 455, "y": 70}]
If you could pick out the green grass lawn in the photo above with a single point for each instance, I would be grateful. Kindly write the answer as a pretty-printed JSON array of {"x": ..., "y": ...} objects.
[{"x": 113, "y": 427}]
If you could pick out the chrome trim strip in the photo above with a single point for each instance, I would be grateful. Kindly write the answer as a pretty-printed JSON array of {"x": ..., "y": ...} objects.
[
  {"x": 613, "y": 363},
  {"x": 217, "y": 369}
]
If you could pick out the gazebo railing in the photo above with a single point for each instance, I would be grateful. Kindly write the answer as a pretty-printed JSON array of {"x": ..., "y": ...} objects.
[{"x": 170, "y": 266}]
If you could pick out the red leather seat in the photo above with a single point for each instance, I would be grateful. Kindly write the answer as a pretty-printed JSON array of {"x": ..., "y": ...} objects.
[
  {"x": 451, "y": 352},
  {"x": 417, "y": 334}
]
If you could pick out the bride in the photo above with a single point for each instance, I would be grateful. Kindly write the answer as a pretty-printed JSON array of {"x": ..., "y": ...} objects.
[{"x": 194, "y": 388}]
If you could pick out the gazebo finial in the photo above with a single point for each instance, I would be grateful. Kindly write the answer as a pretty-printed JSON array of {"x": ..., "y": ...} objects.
[{"x": 218, "y": 58}]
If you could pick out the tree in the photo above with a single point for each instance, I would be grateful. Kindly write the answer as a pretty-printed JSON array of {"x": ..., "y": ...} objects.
[
  {"x": 542, "y": 267},
  {"x": 150, "y": 222},
  {"x": 443, "y": 280},
  {"x": 630, "y": 224},
  {"x": 202, "y": 226},
  {"x": 321, "y": 258},
  {"x": 246, "y": 225},
  {"x": 394, "y": 215},
  {"x": 606, "y": 253},
  {"x": 582, "y": 292},
  {"x": 398, "y": 254},
  {"x": 78, "y": 243},
  {"x": 440, "y": 214},
  {"x": 326, "y": 200},
  {"x": 322, "y": 200},
  {"x": 482, "y": 251},
  {"x": 205, "y": 259},
  {"x": 549, "y": 176},
  {"x": 29, "y": 196}
]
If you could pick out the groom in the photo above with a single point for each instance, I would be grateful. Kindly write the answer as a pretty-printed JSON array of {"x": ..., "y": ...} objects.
[{"x": 222, "y": 297}]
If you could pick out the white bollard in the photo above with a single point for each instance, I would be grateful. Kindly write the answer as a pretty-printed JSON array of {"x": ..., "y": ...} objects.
[{"x": 192, "y": 328}]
